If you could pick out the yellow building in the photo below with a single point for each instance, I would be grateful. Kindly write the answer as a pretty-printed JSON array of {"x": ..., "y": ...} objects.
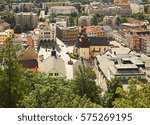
[
  {"x": 4, "y": 35},
  {"x": 88, "y": 47}
]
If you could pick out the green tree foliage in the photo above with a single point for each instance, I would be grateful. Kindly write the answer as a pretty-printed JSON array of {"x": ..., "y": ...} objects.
[
  {"x": 12, "y": 81},
  {"x": 136, "y": 96},
  {"x": 10, "y": 19},
  {"x": 71, "y": 20},
  {"x": 139, "y": 16},
  {"x": 110, "y": 95},
  {"x": 123, "y": 20},
  {"x": 74, "y": 14},
  {"x": 16, "y": 9},
  {"x": 85, "y": 85},
  {"x": 97, "y": 18},
  {"x": 26, "y": 28},
  {"x": 18, "y": 29},
  {"x": 46, "y": 11},
  {"x": 52, "y": 94}
]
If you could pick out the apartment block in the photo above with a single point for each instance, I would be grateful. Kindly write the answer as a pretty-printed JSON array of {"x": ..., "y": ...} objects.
[
  {"x": 27, "y": 19},
  {"x": 63, "y": 9},
  {"x": 4, "y": 35},
  {"x": 85, "y": 21},
  {"x": 94, "y": 31},
  {"x": 67, "y": 34}
]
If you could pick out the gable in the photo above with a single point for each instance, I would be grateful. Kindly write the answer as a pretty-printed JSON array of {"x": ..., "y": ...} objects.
[{"x": 29, "y": 54}]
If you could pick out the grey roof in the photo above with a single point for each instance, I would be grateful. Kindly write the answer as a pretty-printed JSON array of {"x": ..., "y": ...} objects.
[
  {"x": 99, "y": 41},
  {"x": 53, "y": 62},
  {"x": 107, "y": 28}
]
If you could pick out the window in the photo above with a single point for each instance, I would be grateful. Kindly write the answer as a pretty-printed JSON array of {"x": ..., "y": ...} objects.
[
  {"x": 56, "y": 74},
  {"x": 50, "y": 74}
]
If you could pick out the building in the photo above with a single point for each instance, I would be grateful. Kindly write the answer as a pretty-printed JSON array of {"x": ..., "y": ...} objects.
[
  {"x": 28, "y": 20},
  {"x": 63, "y": 9},
  {"x": 108, "y": 20},
  {"x": 62, "y": 21},
  {"x": 116, "y": 10},
  {"x": 47, "y": 31},
  {"x": 145, "y": 44},
  {"x": 4, "y": 25},
  {"x": 54, "y": 66},
  {"x": 108, "y": 30},
  {"x": 67, "y": 34},
  {"x": 50, "y": 4},
  {"x": 89, "y": 47},
  {"x": 137, "y": 8},
  {"x": 27, "y": 5},
  {"x": 121, "y": 1},
  {"x": 121, "y": 63},
  {"x": 85, "y": 21},
  {"x": 29, "y": 59},
  {"x": 94, "y": 31},
  {"x": 4, "y": 35}
]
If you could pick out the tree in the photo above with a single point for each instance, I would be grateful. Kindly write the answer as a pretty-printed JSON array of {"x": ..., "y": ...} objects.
[
  {"x": 16, "y": 9},
  {"x": 46, "y": 11},
  {"x": 124, "y": 20},
  {"x": 18, "y": 29},
  {"x": 12, "y": 81},
  {"x": 26, "y": 27},
  {"x": 136, "y": 96},
  {"x": 85, "y": 85},
  {"x": 74, "y": 14},
  {"x": 97, "y": 18},
  {"x": 51, "y": 94},
  {"x": 110, "y": 95},
  {"x": 71, "y": 20}
]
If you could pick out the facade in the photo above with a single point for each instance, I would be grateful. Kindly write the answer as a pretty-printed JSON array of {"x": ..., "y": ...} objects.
[
  {"x": 4, "y": 35},
  {"x": 89, "y": 47},
  {"x": 137, "y": 8},
  {"x": 94, "y": 31},
  {"x": 67, "y": 34},
  {"x": 47, "y": 31},
  {"x": 29, "y": 59},
  {"x": 54, "y": 66},
  {"x": 125, "y": 67},
  {"x": 27, "y": 19},
  {"x": 28, "y": 5},
  {"x": 121, "y": 1},
  {"x": 63, "y": 9},
  {"x": 145, "y": 44},
  {"x": 50, "y": 4},
  {"x": 85, "y": 21}
]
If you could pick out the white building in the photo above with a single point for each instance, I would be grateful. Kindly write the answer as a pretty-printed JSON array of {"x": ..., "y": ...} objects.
[
  {"x": 137, "y": 8},
  {"x": 54, "y": 66},
  {"x": 85, "y": 21},
  {"x": 63, "y": 9}
]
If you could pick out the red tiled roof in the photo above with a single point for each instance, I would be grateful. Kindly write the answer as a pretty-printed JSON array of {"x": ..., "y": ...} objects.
[{"x": 30, "y": 41}]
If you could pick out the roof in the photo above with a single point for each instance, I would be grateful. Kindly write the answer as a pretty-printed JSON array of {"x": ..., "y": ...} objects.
[
  {"x": 126, "y": 66},
  {"x": 62, "y": 7},
  {"x": 53, "y": 62},
  {"x": 93, "y": 29},
  {"x": 30, "y": 41},
  {"x": 5, "y": 24},
  {"x": 107, "y": 28},
  {"x": 99, "y": 41}
]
